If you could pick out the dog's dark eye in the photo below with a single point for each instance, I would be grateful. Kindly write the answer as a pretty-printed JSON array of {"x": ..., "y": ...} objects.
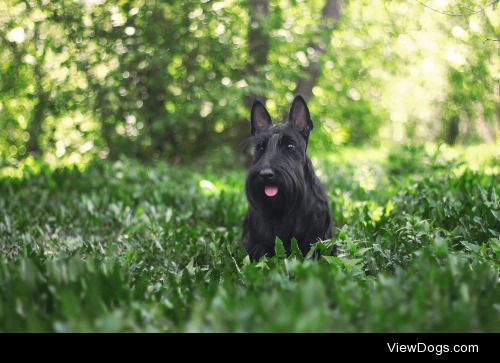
[
  {"x": 260, "y": 147},
  {"x": 290, "y": 147}
]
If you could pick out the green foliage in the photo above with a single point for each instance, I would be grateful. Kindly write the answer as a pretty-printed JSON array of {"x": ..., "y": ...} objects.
[
  {"x": 470, "y": 109},
  {"x": 128, "y": 247},
  {"x": 151, "y": 79}
]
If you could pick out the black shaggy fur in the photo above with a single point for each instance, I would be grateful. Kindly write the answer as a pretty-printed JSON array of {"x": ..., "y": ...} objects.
[{"x": 300, "y": 208}]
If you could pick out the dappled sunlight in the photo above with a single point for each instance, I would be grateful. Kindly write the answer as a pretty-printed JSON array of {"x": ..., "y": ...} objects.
[
  {"x": 389, "y": 72},
  {"x": 484, "y": 157},
  {"x": 208, "y": 187},
  {"x": 366, "y": 177}
]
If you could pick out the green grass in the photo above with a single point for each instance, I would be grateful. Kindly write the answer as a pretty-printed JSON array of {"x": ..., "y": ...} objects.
[{"x": 129, "y": 247}]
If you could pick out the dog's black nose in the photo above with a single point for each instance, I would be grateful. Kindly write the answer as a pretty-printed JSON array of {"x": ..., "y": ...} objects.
[{"x": 266, "y": 173}]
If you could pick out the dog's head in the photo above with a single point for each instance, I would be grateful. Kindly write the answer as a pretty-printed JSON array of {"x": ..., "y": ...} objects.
[{"x": 275, "y": 179}]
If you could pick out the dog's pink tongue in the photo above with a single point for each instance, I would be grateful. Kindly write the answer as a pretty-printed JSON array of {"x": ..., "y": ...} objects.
[{"x": 271, "y": 190}]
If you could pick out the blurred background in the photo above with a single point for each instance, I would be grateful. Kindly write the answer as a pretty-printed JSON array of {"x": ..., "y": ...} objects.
[{"x": 173, "y": 80}]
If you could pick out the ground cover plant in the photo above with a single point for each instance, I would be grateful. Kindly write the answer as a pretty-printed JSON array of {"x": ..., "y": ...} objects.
[{"x": 128, "y": 246}]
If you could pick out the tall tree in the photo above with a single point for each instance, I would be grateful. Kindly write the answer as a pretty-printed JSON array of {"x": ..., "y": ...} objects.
[
  {"x": 42, "y": 96},
  {"x": 258, "y": 45},
  {"x": 329, "y": 18},
  {"x": 258, "y": 38}
]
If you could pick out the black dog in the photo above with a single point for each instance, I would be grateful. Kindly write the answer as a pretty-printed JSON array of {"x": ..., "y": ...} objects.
[{"x": 285, "y": 197}]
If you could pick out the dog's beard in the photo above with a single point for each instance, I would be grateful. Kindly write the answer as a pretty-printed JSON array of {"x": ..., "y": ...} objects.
[{"x": 277, "y": 197}]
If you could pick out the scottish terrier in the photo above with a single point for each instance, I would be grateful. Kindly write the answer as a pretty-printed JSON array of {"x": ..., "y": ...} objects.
[{"x": 285, "y": 197}]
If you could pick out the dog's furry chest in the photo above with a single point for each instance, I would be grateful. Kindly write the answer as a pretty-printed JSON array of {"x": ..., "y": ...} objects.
[{"x": 260, "y": 233}]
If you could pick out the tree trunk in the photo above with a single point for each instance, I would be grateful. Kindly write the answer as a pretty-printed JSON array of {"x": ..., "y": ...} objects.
[
  {"x": 452, "y": 130},
  {"x": 329, "y": 19},
  {"x": 35, "y": 125},
  {"x": 38, "y": 115},
  {"x": 258, "y": 49},
  {"x": 156, "y": 117},
  {"x": 258, "y": 45}
]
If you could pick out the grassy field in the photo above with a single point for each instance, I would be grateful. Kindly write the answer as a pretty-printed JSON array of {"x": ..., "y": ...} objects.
[{"x": 130, "y": 247}]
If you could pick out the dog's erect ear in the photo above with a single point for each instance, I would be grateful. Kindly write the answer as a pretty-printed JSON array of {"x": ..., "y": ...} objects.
[
  {"x": 259, "y": 118},
  {"x": 299, "y": 116}
]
